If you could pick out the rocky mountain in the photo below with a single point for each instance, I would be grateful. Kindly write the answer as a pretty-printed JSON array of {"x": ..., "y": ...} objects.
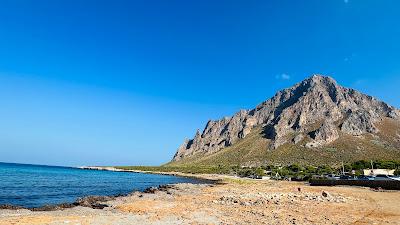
[{"x": 312, "y": 114}]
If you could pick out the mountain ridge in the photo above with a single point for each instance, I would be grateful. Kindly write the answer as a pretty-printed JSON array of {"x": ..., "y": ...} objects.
[{"x": 316, "y": 109}]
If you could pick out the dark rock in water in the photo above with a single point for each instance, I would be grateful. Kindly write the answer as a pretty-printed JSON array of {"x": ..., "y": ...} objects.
[
  {"x": 164, "y": 188},
  {"x": 150, "y": 190},
  {"x": 12, "y": 207}
]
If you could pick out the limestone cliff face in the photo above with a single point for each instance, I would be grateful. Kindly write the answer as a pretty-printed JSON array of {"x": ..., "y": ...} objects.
[{"x": 317, "y": 107}]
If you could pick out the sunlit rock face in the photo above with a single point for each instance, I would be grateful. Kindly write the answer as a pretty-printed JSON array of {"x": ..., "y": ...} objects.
[{"x": 317, "y": 108}]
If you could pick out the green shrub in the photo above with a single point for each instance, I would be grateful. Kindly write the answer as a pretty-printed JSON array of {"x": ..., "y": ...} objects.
[
  {"x": 311, "y": 169},
  {"x": 295, "y": 168},
  {"x": 259, "y": 172},
  {"x": 359, "y": 173},
  {"x": 385, "y": 164},
  {"x": 324, "y": 170},
  {"x": 360, "y": 165}
]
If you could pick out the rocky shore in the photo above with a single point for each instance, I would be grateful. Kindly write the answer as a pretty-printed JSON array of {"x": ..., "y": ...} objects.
[{"x": 231, "y": 201}]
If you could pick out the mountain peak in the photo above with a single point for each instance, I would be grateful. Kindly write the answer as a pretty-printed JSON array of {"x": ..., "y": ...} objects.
[
  {"x": 317, "y": 110},
  {"x": 321, "y": 78}
]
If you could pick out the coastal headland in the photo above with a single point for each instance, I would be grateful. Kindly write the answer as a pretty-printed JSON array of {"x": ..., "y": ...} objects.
[{"x": 231, "y": 200}]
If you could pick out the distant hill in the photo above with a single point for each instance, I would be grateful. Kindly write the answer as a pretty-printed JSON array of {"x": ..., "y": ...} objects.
[{"x": 316, "y": 121}]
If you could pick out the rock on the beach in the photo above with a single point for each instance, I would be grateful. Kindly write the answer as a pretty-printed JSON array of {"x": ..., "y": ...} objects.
[
  {"x": 95, "y": 202},
  {"x": 325, "y": 194}
]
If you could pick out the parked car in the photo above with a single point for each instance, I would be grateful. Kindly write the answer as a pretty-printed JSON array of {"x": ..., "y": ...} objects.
[
  {"x": 382, "y": 177},
  {"x": 363, "y": 177},
  {"x": 394, "y": 177},
  {"x": 332, "y": 177},
  {"x": 345, "y": 177}
]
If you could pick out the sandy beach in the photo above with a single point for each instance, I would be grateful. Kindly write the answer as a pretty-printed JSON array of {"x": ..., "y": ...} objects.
[{"x": 232, "y": 201}]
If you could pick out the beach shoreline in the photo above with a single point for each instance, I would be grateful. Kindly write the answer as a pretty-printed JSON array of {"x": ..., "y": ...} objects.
[
  {"x": 205, "y": 177},
  {"x": 96, "y": 201},
  {"x": 230, "y": 201}
]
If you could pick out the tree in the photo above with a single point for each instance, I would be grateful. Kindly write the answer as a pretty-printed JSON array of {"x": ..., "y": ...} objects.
[
  {"x": 348, "y": 168},
  {"x": 259, "y": 172},
  {"x": 284, "y": 172},
  {"x": 324, "y": 170},
  {"x": 295, "y": 168},
  {"x": 386, "y": 165},
  {"x": 360, "y": 165},
  {"x": 245, "y": 172},
  {"x": 311, "y": 169},
  {"x": 358, "y": 173}
]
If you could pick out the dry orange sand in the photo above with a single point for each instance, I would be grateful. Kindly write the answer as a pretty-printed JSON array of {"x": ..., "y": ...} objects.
[{"x": 236, "y": 202}]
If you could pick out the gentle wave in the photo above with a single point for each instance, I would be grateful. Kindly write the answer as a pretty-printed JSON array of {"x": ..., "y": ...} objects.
[{"x": 36, "y": 186}]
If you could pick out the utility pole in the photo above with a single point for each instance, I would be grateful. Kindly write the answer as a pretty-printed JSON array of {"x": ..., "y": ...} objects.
[
  {"x": 342, "y": 168},
  {"x": 372, "y": 166}
]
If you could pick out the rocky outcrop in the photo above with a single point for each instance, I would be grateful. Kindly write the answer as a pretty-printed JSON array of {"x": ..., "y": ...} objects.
[
  {"x": 358, "y": 123},
  {"x": 327, "y": 133},
  {"x": 293, "y": 114}
]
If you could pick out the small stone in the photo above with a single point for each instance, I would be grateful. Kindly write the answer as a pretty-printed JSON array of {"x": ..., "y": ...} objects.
[{"x": 325, "y": 194}]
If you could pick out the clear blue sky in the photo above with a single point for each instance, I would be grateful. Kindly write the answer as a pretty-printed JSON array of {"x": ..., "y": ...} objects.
[{"x": 124, "y": 82}]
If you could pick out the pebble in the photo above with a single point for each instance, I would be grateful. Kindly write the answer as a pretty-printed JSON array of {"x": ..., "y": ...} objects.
[
  {"x": 261, "y": 199},
  {"x": 325, "y": 194}
]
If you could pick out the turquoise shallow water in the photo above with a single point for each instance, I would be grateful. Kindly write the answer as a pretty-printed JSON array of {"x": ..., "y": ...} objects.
[{"x": 35, "y": 186}]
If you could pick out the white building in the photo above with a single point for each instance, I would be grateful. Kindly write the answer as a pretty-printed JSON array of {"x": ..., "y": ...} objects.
[{"x": 374, "y": 172}]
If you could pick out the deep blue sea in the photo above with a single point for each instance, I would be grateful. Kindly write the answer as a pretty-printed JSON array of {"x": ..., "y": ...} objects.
[{"x": 35, "y": 186}]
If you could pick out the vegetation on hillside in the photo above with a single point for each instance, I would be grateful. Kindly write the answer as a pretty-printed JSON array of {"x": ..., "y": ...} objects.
[
  {"x": 253, "y": 150},
  {"x": 294, "y": 171}
]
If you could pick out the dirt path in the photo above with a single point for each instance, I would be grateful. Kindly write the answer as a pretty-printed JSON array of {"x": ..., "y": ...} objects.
[{"x": 384, "y": 208}]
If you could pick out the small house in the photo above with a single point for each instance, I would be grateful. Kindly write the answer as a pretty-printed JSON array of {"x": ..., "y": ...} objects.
[{"x": 374, "y": 172}]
